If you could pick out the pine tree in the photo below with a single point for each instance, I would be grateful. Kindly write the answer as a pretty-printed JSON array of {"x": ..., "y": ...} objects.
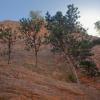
[
  {"x": 60, "y": 29},
  {"x": 67, "y": 36},
  {"x": 30, "y": 28},
  {"x": 85, "y": 60},
  {"x": 9, "y": 37}
]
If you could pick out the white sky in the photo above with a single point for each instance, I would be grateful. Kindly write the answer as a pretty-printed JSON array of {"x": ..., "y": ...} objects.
[{"x": 88, "y": 18}]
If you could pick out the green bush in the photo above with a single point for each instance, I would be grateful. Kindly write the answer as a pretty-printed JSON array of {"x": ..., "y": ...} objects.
[
  {"x": 72, "y": 78},
  {"x": 96, "y": 42},
  {"x": 90, "y": 67}
]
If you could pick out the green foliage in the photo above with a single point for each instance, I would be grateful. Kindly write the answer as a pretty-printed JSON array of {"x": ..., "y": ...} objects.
[
  {"x": 85, "y": 44},
  {"x": 87, "y": 63},
  {"x": 5, "y": 33},
  {"x": 90, "y": 67},
  {"x": 30, "y": 29},
  {"x": 72, "y": 16},
  {"x": 8, "y": 36},
  {"x": 84, "y": 58},
  {"x": 61, "y": 28},
  {"x": 72, "y": 78},
  {"x": 55, "y": 27},
  {"x": 85, "y": 49},
  {"x": 96, "y": 42}
]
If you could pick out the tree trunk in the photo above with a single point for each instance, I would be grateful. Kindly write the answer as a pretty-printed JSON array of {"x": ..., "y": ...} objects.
[
  {"x": 9, "y": 51},
  {"x": 36, "y": 59},
  {"x": 70, "y": 61},
  {"x": 72, "y": 66}
]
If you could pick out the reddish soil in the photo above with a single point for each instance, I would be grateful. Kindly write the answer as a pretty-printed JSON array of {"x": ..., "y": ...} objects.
[{"x": 21, "y": 80}]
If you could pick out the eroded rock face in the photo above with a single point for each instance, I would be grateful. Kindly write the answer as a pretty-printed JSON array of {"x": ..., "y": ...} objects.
[{"x": 22, "y": 84}]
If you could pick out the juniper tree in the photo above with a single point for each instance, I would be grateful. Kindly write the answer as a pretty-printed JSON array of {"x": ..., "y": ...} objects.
[
  {"x": 8, "y": 36},
  {"x": 60, "y": 29},
  {"x": 96, "y": 42},
  {"x": 85, "y": 60},
  {"x": 30, "y": 29},
  {"x": 63, "y": 36}
]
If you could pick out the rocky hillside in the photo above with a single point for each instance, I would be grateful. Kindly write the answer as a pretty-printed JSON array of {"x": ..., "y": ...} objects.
[
  {"x": 15, "y": 26},
  {"x": 21, "y": 80},
  {"x": 22, "y": 84}
]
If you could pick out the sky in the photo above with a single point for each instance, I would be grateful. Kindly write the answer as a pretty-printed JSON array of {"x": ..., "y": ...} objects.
[{"x": 17, "y": 9}]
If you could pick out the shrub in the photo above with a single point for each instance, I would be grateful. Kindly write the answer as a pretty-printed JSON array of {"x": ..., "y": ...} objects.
[
  {"x": 72, "y": 78},
  {"x": 90, "y": 67}
]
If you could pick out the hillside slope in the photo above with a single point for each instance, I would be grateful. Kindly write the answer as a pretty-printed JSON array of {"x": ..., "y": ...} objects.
[
  {"x": 22, "y": 84},
  {"x": 96, "y": 56},
  {"x": 21, "y": 80}
]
